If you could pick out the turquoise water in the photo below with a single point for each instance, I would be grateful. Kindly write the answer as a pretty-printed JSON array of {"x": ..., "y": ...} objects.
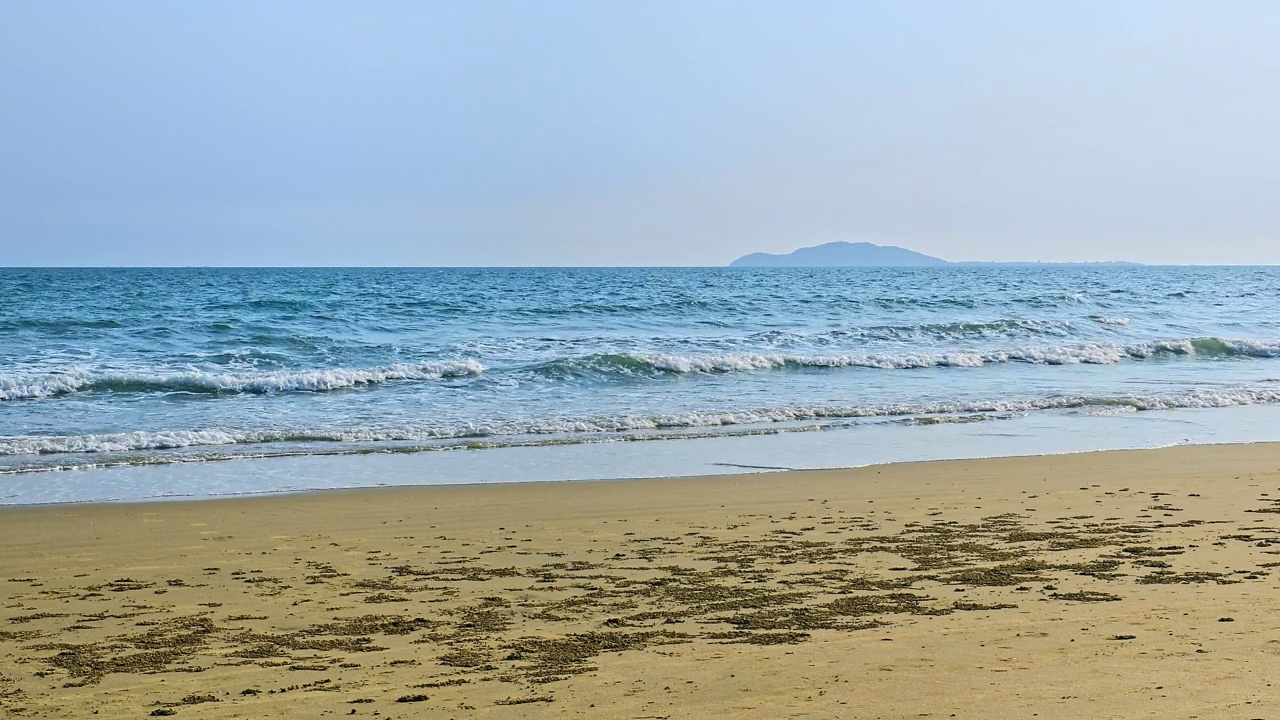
[{"x": 104, "y": 367}]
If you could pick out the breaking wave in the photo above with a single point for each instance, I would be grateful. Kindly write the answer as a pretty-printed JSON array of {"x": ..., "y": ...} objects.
[
  {"x": 1088, "y": 353},
  {"x": 622, "y": 364},
  {"x": 55, "y": 384}
]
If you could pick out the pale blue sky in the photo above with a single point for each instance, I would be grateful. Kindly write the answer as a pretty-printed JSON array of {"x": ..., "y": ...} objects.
[{"x": 633, "y": 133}]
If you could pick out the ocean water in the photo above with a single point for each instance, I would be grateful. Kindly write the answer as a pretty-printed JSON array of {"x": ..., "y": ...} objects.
[{"x": 104, "y": 368}]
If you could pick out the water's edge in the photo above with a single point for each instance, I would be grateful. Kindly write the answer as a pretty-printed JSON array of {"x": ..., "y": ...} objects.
[{"x": 1026, "y": 436}]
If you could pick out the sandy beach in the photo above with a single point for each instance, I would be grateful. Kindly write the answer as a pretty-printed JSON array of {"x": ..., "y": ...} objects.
[{"x": 1122, "y": 584}]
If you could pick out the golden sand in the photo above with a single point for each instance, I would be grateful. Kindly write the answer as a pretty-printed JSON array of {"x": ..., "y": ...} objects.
[{"x": 1125, "y": 584}]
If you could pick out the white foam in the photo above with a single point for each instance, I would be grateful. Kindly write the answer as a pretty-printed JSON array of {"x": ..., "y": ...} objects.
[
  {"x": 1112, "y": 320},
  {"x": 1085, "y": 353},
  {"x": 39, "y": 386},
  {"x": 51, "y": 384},
  {"x": 574, "y": 429}
]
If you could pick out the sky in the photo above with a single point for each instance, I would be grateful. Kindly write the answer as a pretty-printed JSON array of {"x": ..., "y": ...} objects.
[{"x": 673, "y": 132}]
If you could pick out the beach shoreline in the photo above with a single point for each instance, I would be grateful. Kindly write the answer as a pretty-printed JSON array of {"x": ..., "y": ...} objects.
[
  {"x": 1005, "y": 586},
  {"x": 659, "y": 458}
]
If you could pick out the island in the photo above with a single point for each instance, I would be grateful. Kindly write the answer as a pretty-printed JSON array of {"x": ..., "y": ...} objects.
[
  {"x": 842, "y": 254},
  {"x": 865, "y": 254}
]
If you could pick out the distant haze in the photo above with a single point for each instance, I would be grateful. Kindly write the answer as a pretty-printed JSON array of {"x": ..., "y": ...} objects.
[{"x": 610, "y": 133}]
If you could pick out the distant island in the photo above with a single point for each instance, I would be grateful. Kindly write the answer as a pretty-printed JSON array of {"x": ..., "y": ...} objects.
[
  {"x": 865, "y": 254},
  {"x": 842, "y": 254}
]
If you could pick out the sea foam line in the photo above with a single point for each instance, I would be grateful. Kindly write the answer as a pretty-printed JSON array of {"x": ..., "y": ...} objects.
[
  {"x": 53, "y": 384},
  {"x": 570, "y": 428},
  {"x": 1087, "y": 353}
]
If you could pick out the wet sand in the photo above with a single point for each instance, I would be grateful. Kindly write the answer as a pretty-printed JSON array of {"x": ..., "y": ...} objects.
[{"x": 1122, "y": 584}]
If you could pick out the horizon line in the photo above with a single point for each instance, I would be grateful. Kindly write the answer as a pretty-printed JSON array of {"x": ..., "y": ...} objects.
[{"x": 1114, "y": 264}]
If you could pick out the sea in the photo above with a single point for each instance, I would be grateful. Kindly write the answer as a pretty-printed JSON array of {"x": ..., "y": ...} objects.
[{"x": 133, "y": 384}]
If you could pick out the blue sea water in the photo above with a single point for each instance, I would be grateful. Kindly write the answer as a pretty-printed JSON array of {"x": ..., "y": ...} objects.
[{"x": 129, "y": 367}]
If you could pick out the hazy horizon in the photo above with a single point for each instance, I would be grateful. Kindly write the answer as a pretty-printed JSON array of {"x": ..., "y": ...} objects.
[
  {"x": 953, "y": 262},
  {"x": 589, "y": 134}
]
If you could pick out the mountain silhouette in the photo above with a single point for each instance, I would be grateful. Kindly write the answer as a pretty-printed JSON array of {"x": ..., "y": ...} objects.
[{"x": 842, "y": 254}]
